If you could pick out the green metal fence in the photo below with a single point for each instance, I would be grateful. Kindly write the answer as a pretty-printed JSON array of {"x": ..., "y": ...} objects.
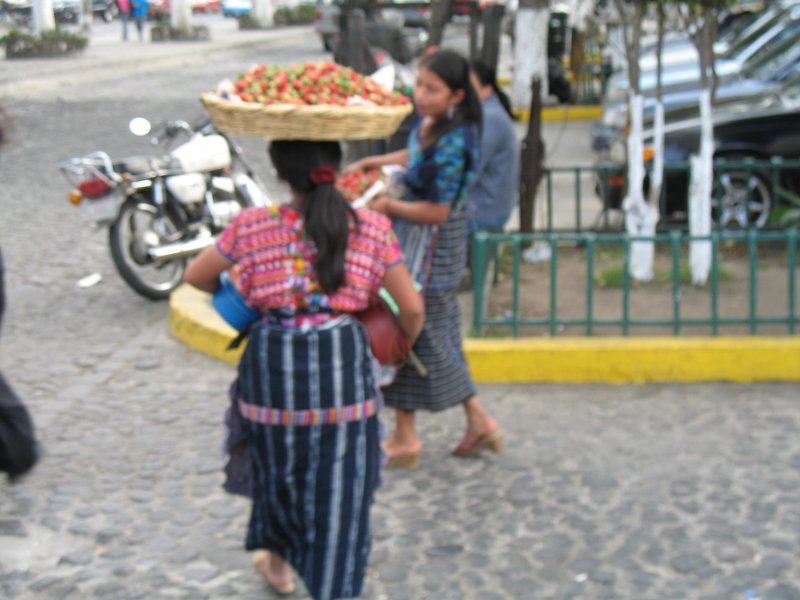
[
  {"x": 746, "y": 246},
  {"x": 567, "y": 209}
]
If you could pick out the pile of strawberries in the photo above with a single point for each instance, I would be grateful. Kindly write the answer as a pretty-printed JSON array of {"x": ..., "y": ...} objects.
[
  {"x": 353, "y": 185},
  {"x": 320, "y": 83}
]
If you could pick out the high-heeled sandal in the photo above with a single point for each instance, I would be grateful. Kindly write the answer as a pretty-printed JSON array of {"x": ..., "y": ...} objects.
[
  {"x": 492, "y": 441},
  {"x": 261, "y": 563}
]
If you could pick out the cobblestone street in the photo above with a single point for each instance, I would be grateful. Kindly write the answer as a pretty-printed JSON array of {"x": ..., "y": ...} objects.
[{"x": 636, "y": 492}]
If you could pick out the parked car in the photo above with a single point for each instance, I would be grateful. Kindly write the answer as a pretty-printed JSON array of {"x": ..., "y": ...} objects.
[
  {"x": 64, "y": 11},
  {"x": 744, "y": 130},
  {"x": 758, "y": 83},
  {"x": 206, "y": 6},
  {"x": 400, "y": 28},
  {"x": 105, "y": 9},
  {"x": 235, "y": 8},
  {"x": 779, "y": 25}
]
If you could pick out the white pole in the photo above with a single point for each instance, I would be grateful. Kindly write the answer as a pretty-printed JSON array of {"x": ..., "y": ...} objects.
[{"x": 43, "y": 17}]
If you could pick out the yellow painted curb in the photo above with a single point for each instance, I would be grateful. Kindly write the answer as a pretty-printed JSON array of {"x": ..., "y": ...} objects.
[
  {"x": 563, "y": 113},
  {"x": 194, "y": 321},
  {"x": 634, "y": 360}
]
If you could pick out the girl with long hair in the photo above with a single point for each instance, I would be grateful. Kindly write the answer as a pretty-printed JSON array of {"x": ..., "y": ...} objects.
[
  {"x": 440, "y": 160},
  {"x": 307, "y": 389}
]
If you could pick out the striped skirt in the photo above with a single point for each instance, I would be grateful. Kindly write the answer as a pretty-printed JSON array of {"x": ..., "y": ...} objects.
[
  {"x": 439, "y": 346},
  {"x": 310, "y": 404}
]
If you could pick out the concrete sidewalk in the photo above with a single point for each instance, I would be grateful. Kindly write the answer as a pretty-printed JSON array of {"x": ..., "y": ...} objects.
[{"x": 107, "y": 55}]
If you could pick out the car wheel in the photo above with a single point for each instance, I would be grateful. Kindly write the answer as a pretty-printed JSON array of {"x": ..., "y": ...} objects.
[
  {"x": 110, "y": 13},
  {"x": 742, "y": 199}
]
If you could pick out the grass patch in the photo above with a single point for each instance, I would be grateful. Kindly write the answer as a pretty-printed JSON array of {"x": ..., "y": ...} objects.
[{"x": 612, "y": 277}]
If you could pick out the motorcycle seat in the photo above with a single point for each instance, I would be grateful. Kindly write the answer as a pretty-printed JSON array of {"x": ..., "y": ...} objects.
[{"x": 139, "y": 165}]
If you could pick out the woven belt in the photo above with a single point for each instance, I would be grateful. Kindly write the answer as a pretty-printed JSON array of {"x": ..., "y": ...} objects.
[
  {"x": 312, "y": 416},
  {"x": 302, "y": 320}
]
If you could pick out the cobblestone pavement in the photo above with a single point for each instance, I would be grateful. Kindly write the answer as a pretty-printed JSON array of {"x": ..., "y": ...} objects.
[{"x": 604, "y": 492}]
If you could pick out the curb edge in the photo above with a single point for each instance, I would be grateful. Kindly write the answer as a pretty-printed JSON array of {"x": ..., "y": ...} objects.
[{"x": 617, "y": 360}]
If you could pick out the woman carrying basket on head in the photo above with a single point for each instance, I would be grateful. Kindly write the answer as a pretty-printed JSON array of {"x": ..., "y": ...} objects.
[
  {"x": 440, "y": 158},
  {"x": 307, "y": 385}
]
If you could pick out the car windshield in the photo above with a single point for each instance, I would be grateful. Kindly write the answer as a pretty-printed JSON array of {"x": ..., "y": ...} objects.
[
  {"x": 761, "y": 26},
  {"x": 765, "y": 62},
  {"x": 732, "y": 33}
]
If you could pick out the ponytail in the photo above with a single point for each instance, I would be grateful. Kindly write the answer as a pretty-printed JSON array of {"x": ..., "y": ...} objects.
[
  {"x": 488, "y": 76},
  {"x": 310, "y": 170}
]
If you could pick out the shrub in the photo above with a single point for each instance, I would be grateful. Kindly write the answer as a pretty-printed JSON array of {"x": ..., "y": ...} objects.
[
  {"x": 57, "y": 42},
  {"x": 162, "y": 32}
]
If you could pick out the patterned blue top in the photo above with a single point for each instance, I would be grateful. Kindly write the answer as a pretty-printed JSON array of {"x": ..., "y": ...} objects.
[{"x": 443, "y": 172}]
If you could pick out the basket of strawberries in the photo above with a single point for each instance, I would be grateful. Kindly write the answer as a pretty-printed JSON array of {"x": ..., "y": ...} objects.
[{"x": 313, "y": 101}]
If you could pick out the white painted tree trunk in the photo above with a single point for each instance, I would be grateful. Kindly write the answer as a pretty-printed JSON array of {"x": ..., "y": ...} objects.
[
  {"x": 657, "y": 176},
  {"x": 263, "y": 11},
  {"x": 702, "y": 179},
  {"x": 181, "y": 15},
  {"x": 86, "y": 17},
  {"x": 43, "y": 17},
  {"x": 640, "y": 217},
  {"x": 530, "y": 54}
]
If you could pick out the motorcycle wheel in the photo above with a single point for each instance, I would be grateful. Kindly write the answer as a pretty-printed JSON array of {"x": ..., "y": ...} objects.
[{"x": 138, "y": 227}]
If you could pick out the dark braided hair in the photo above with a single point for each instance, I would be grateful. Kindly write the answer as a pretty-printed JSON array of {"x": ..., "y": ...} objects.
[{"x": 310, "y": 169}]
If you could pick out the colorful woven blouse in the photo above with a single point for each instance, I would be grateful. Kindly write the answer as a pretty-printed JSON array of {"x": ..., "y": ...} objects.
[
  {"x": 274, "y": 260},
  {"x": 442, "y": 173}
]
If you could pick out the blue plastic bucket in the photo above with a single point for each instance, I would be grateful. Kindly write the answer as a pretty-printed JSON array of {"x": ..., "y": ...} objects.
[{"x": 230, "y": 304}]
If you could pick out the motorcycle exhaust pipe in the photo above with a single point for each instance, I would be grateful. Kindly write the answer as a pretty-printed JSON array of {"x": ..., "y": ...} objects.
[{"x": 179, "y": 249}]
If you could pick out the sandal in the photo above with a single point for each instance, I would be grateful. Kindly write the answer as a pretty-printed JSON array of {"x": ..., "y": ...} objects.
[
  {"x": 261, "y": 563},
  {"x": 492, "y": 441},
  {"x": 404, "y": 460}
]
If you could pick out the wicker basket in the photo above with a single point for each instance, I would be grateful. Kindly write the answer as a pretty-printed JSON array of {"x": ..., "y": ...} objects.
[{"x": 304, "y": 122}]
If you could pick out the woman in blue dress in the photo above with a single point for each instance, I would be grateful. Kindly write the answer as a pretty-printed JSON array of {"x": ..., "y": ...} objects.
[{"x": 440, "y": 160}]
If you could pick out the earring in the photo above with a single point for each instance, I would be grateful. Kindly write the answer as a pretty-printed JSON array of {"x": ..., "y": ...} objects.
[{"x": 451, "y": 111}]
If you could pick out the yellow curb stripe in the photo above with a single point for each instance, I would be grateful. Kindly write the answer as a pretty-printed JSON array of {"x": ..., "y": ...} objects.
[
  {"x": 634, "y": 360},
  {"x": 562, "y": 113},
  {"x": 194, "y": 321}
]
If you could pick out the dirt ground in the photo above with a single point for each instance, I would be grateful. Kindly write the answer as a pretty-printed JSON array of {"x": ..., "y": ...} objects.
[{"x": 653, "y": 305}]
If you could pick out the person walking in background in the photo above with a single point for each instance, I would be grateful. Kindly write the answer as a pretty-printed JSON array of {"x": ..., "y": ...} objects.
[
  {"x": 308, "y": 392},
  {"x": 139, "y": 10},
  {"x": 18, "y": 447},
  {"x": 495, "y": 188},
  {"x": 441, "y": 159},
  {"x": 124, "y": 16}
]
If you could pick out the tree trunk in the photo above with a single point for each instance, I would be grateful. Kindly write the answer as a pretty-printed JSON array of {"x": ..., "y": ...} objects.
[
  {"x": 180, "y": 17},
  {"x": 530, "y": 50},
  {"x": 263, "y": 12},
  {"x": 702, "y": 166},
  {"x": 702, "y": 178},
  {"x": 43, "y": 17},
  {"x": 440, "y": 15},
  {"x": 86, "y": 17}
]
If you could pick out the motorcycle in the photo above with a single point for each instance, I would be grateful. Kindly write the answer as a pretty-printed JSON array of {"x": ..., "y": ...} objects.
[{"x": 161, "y": 210}]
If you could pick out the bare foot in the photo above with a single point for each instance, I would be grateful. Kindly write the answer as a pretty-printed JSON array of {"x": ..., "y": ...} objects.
[
  {"x": 276, "y": 571},
  {"x": 402, "y": 454},
  {"x": 484, "y": 435}
]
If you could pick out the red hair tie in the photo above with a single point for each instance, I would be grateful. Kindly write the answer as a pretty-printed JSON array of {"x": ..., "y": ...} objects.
[{"x": 322, "y": 174}]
